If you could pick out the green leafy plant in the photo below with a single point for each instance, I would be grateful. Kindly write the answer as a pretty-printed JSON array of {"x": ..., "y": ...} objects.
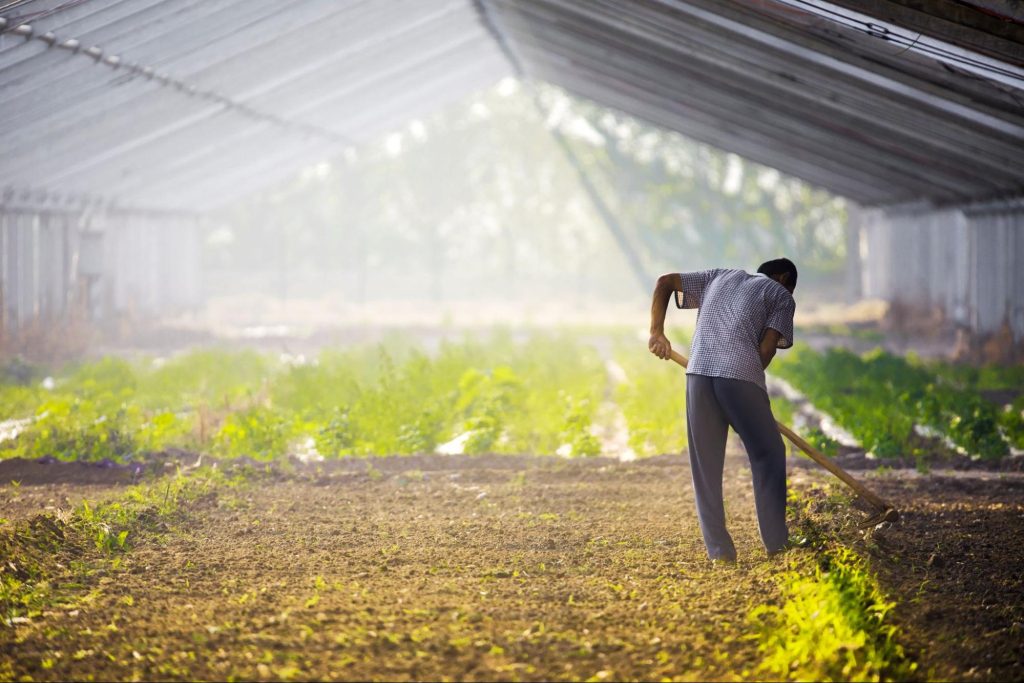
[
  {"x": 1011, "y": 420},
  {"x": 577, "y": 432},
  {"x": 822, "y": 441},
  {"x": 831, "y": 624},
  {"x": 78, "y": 429},
  {"x": 485, "y": 399},
  {"x": 991, "y": 378},
  {"x": 260, "y": 433},
  {"x": 880, "y": 397},
  {"x": 652, "y": 399}
]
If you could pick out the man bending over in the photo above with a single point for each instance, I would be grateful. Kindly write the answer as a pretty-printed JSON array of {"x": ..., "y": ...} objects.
[{"x": 741, "y": 320}]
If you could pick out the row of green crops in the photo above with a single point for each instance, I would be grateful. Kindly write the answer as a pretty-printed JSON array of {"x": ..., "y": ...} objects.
[
  {"x": 113, "y": 409},
  {"x": 834, "y": 619},
  {"x": 832, "y": 625},
  {"x": 991, "y": 378},
  {"x": 502, "y": 396},
  {"x": 652, "y": 396},
  {"x": 879, "y": 397}
]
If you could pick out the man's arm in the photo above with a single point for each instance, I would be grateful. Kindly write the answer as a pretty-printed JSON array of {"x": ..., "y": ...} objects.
[
  {"x": 769, "y": 343},
  {"x": 659, "y": 344}
]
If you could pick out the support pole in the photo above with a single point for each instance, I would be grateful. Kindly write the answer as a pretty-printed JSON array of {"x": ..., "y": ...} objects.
[
  {"x": 854, "y": 290},
  {"x": 5, "y": 254},
  {"x": 607, "y": 217}
]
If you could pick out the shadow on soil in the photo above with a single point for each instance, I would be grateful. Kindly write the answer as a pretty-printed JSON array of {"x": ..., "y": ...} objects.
[{"x": 952, "y": 564}]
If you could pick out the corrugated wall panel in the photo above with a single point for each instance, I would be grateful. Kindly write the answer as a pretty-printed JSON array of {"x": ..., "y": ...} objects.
[{"x": 966, "y": 262}]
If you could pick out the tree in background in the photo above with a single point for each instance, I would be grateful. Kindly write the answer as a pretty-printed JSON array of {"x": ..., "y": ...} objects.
[
  {"x": 478, "y": 201},
  {"x": 689, "y": 204}
]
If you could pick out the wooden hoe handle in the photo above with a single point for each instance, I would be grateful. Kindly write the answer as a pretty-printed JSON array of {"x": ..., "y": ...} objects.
[{"x": 819, "y": 457}]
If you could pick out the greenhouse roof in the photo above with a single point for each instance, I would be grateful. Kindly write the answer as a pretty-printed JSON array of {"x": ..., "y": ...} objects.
[{"x": 185, "y": 105}]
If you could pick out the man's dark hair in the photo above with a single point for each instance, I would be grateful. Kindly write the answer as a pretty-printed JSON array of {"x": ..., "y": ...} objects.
[{"x": 778, "y": 267}]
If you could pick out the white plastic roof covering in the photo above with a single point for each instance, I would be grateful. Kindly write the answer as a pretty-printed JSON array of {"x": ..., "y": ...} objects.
[
  {"x": 187, "y": 104},
  {"x": 808, "y": 87}
]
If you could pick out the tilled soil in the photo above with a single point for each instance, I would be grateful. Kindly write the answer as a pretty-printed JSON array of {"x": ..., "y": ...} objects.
[
  {"x": 51, "y": 486},
  {"x": 31, "y": 487},
  {"x": 504, "y": 568},
  {"x": 18, "y": 503},
  {"x": 521, "y": 568},
  {"x": 954, "y": 566}
]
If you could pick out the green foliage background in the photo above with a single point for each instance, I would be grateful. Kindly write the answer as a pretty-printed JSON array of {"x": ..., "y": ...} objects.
[{"x": 478, "y": 202}]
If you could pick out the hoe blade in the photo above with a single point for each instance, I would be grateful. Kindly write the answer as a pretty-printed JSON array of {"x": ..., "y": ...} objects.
[{"x": 889, "y": 515}]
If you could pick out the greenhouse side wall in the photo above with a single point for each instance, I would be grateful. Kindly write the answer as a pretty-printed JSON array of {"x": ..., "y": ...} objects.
[
  {"x": 58, "y": 266},
  {"x": 958, "y": 267}
]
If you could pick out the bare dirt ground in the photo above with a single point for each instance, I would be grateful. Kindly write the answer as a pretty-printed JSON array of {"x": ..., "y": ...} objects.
[
  {"x": 23, "y": 502},
  {"x": 426, "y": 568},
  {"x": 955, "y": 568},
  {"x": 509, "y": 568},
  {"x": 952, "y": 564},
  {"x": 29, "y": 488}
]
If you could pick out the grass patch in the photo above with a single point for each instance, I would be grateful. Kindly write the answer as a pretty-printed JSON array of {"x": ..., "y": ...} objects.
[{"x": 832, "y": 624}]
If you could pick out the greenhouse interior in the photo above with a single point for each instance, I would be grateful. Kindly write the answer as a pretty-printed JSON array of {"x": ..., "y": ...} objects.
[{"x": 422, "y": 339}]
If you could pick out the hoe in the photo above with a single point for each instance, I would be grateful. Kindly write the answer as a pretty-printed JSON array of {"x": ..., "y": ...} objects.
[{"x": 883, "y": 512}]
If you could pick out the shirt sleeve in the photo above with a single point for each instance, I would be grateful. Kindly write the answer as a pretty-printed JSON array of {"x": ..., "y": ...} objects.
[
  {"x": 780, "y": 319},
  {"x": 694, "y": 284}
]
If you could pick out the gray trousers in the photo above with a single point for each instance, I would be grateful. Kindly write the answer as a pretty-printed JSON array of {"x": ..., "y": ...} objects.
[{"x": 713, "y": 404}]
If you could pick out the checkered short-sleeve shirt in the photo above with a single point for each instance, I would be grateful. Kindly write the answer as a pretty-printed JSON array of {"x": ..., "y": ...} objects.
[{"x": 734, "y": 310}]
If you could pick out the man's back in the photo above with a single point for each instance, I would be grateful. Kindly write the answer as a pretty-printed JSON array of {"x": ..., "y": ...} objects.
[
  {"x": 742, "y": 320},
  {"x": 735, "y": 308}
]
